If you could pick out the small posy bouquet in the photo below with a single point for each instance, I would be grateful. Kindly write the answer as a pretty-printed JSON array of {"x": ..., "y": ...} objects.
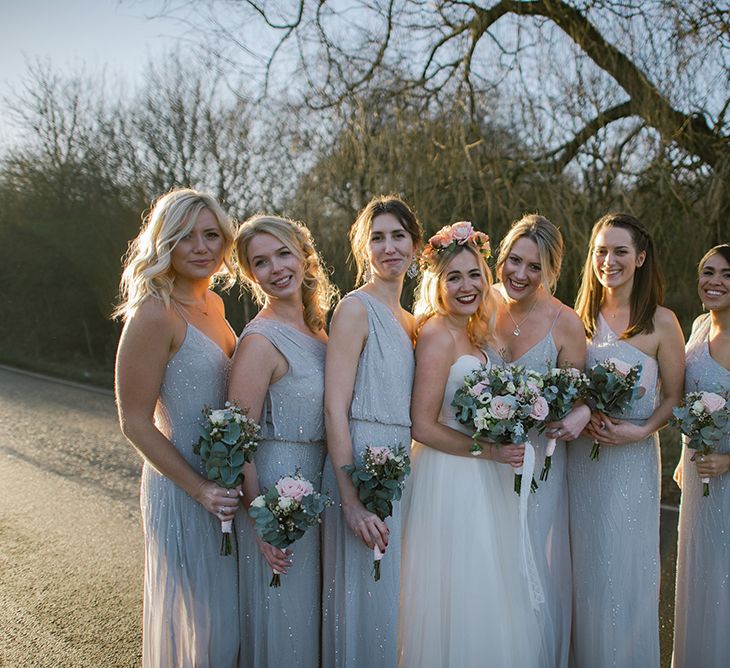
[
  {"x": 562, "y": 387},
  {"x": 379, "y": 482},
  {"x": 702, "y": 418},
  {"x": 228, "y": 439},
  {"x": 501, "y": 404},
  {"x": 285, "y": 511},
  {"x": 612, "y": 385}
]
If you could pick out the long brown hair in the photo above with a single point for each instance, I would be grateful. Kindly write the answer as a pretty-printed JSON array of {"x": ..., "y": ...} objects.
[
  {"x": 647, "y": 291},
  {"x": 360, "y": 230}
]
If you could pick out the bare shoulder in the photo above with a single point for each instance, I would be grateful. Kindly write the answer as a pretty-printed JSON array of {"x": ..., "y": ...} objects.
[
  {"x": 435, "y": 336},
  {"x": 569, "y": 324},
  {"x": 217, "y": 302},
  {"x": 153, "y": 316},
  {"x": 350, "y": 316},
  {"x": 665, "y": 318}
]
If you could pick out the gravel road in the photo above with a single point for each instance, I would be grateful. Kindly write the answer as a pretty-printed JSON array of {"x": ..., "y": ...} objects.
[{"x": 71, "y": 559}]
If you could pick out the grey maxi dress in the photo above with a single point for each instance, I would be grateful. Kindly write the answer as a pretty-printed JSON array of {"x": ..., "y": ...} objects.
[
  {"x": 702, "y": 607},
  {"x": 281, "y": 626},
  {"x": 360, "y": 616}
]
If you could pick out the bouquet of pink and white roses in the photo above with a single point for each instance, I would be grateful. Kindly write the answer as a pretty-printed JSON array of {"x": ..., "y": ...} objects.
[
  {"x": 562, "y": 387},
  {"x": 228, "y": 439},
  {"x": 379, "y": 482},
  {"x": 612, "y": 385},
  {"x": 501, "y": 404},
  {"x": 702, "y": 417},
  {"x": 284, "y": 512}
]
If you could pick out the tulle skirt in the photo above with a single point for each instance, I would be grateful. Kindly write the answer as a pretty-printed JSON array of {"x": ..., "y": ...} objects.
[{"x": 464, "y": 600}]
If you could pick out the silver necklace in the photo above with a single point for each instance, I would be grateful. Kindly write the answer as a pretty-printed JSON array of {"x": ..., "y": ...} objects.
[{"x": 516, "y": 331}]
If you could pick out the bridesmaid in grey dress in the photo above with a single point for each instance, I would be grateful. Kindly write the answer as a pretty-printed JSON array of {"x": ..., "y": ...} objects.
[
  {"x": 368, "y": 379},
  {"x": 173, "y": 359},
  {"x": 278, "y": 375},
  {"x": 536, "y": 330},
  {"x": 702, "y": 606},
  {"x": 614, "y": 501}
]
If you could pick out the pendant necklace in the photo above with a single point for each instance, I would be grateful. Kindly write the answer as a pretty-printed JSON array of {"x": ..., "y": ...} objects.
[
  {"x": 516, "y": 331},
  {"x": 189, "y": 305}
]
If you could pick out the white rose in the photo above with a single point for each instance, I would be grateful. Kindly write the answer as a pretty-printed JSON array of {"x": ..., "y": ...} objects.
[
  {"x": 258, "y": 502},
  {"x": 712, "y": 402},
  {"x": 697, "y": 407},
  {"x": 620, "y": 366},
  {"x": 285, "y": 502},
  {"x": 217, "y": 417}
]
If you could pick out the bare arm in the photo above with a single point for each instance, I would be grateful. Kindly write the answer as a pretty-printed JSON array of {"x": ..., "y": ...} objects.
[
  {"x": 149, "y": 339},
  {"x": 570, "y": 339},
  {"x": 348, "y": 333},
  {"x": 256, "y": 365}
]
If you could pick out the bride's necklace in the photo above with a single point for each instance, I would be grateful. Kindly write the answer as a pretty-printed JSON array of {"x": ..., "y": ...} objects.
[{"x": 517, "y": 331}]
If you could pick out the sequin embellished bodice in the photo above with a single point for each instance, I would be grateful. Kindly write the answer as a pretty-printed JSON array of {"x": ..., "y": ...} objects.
[
  {"x": 195, "y": 377},
  {"x": 385, "y": 373},
  {"x": 293, "y": 406}
]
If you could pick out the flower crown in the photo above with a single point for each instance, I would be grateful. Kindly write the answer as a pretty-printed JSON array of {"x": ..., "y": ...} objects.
[{"x": 449, "y": 236}]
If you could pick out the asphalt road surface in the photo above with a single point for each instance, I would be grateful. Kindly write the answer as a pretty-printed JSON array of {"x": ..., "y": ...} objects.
[{"x": 71, "y": 560}]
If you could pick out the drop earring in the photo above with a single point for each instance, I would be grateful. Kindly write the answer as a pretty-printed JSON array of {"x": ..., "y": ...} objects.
[{"x": 412, "y": 271}]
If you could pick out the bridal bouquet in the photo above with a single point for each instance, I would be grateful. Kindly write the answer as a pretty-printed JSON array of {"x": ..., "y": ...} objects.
[
  {"x": 284, "y": 512},
  {"x": 228, "y": 438},
  {"x": 612, "y": 385},
  {"x": 702, "y": 417},
  {"x": 379, "y": 482},
  {"x": 562, "y": 387},
  {"x": 501, "y": 404}
]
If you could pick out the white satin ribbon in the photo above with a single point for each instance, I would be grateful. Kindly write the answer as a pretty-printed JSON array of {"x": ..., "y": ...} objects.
[{"x": 537, "y": 596}]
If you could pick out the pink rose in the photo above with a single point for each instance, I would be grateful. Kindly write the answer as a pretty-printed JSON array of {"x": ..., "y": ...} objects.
[
  {"x": 380, "y": 455},
  {"x": 461, "y": 231},
  {"x": 712, "y": 402},
  {"x": 502, "y": 408},
  {"x": 620, "y": 366},
  {"x": 294, "y": 488},
  {"x": 539, "y": 409}
]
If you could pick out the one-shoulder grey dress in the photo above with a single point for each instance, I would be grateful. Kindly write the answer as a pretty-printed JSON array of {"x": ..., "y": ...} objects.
[
  {"x": 281, "y": 626},
  {"x": 614, "y": 531},
  {"x": 702, "y": 606},
  {"x": 547, "y": 522},
  {"x": 190, "y": 591},
  {"x": 360, "y": 616}
]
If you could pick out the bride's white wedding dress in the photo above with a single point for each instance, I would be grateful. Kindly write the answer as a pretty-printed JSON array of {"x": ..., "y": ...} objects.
[{"x": 465, "y": 597}]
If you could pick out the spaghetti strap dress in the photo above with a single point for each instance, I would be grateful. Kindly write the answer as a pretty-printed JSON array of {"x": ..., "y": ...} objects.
[
  {"x": 614, "y": 531},
  {"x": 281, "y": 626},
  {"x": 702, "y": 605},
  {"x": 547, "y": 521},
  {"x": 190, "y": 591},
  {"x": 360, "y": 616}
]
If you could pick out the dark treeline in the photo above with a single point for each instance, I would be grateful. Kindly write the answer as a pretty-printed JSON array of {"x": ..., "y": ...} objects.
[{"x": 89, "y": 162}]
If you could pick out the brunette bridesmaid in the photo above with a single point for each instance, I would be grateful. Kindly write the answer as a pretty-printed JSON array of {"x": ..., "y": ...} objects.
[
  {"x": 614, "y": 501},
  {"x": 702, "y": 604},
  {"x": 368, "y": 379}
]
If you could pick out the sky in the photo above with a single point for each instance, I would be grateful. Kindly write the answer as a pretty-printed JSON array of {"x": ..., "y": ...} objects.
[{"x": 119, "y": 35}]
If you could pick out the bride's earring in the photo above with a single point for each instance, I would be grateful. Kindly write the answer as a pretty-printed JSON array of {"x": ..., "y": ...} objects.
[{"x": 413, "y": 268}]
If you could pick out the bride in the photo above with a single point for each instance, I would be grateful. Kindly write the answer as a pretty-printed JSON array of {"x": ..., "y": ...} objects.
[{"x": 464, "y": 598}]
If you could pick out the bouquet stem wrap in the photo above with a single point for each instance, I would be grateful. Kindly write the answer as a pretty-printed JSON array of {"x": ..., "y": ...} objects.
[{"x": 549, "y": 451}]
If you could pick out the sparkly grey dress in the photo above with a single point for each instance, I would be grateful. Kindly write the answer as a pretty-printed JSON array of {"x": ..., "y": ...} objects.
[
  {"x": 547, "y": 522},
  {"x": 614, "y": 532},
  {"x": 360, "y": 616},
  {"x": 280, "y": 626},
  {"x": 190, "y": 591},
  {"x": 702, "y": 606}
]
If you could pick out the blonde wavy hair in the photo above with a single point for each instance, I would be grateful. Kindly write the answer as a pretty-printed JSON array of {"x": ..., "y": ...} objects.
[
  {"x": 318, "y": 292},
  {"x": 429, "y": 300},
  {"x": 549, "y": 242},
  {"x": 147, "y": 263}
]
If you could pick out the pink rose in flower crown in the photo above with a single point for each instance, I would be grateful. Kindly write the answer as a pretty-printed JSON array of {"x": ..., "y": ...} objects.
[
  {"x": 462, "y": 231},
  {"x": 501, "y": 408},
  {"x": 712, "y": 402},
  {"x": 294, "y": 488},
  {"x": 540, "y": 409},
  {"x": 621, "y": 367},
  {"x": 380, "y": 455},
  {"x": 442, "y": 238}
]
